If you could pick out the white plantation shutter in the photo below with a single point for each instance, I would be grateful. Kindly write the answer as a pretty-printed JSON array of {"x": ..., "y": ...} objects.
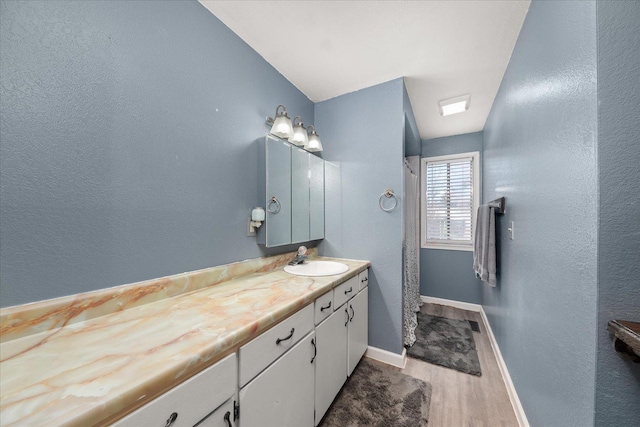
[{"x": 449, "y": 201}]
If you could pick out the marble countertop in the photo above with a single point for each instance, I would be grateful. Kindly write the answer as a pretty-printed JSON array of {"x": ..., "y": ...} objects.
[{"x": 94, "y": 371}]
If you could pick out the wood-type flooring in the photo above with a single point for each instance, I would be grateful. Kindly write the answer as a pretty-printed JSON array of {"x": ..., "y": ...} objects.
[{"x": 459, "y": 399}]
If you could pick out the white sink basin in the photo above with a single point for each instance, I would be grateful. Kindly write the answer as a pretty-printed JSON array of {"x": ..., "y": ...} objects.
[{"x": 317, "y": 268}]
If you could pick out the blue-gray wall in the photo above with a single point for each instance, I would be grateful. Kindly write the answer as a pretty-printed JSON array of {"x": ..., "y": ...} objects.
[
  {"x": 127, "y": 143},
  {"x": 444, "y": 273},
  {"x": 618, "y": 380},
  {"x": 362, "y": 136},
  {"x": 540, "y": 153},
  {"x": 412, "y": 145}
]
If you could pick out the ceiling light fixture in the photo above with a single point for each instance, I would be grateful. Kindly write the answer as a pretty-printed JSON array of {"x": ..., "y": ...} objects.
[
  {"x": 459, "y": 104},
  {"x": 299, "y": 136},
  {"x": 281, "y": 124},
  {"x": 314, "y": 140}
]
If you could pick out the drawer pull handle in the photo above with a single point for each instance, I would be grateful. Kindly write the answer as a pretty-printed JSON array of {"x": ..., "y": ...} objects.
[
  {"x": 348, "y": 291},
  {"x": 279, "y": 340},
  {"x": 347, "y": 313},
  {"x": 353, "y": 313},
  {"x": 227, "y": 419},
  {"x": 315, "y": 349},
  {"x": 172, "y": 419},
  {"x": 326, "y": 308},
  {"x": 366, "y": 279}
]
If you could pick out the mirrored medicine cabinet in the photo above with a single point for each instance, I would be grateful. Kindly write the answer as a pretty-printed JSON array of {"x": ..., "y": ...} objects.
[{"x": 291, "y": 190}]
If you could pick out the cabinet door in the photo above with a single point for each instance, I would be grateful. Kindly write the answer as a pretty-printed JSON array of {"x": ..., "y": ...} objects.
[
  {"x": 299, "y": 195},
  {"x": 358, "y": 328},
  {"x": 331, "y": 361},
  {"x": 316, "y": 198},
  {"x": 283, "y": 394},
  {"x": 278, "y": 192}
]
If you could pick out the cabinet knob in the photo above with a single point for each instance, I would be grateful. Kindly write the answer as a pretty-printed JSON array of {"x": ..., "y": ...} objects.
[
  {"x": 172, "y": 419},
  {"x": 348, "y": 291}
]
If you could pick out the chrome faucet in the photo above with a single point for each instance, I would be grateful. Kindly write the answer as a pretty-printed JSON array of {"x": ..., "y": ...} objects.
[{"x": 300, "y": 256}]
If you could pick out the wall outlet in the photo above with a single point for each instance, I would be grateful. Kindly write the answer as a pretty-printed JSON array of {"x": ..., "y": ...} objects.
[{"x": 251, "y": 231}]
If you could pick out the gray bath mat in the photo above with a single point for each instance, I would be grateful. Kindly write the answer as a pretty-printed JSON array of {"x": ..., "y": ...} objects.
[
  {"x": 445, "y": 342},
  {"x": 377, "y": 395}
]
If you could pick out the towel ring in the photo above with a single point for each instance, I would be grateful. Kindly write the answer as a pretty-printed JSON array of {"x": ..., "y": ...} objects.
[
  {"x": 388, "y": 193},
  {"x": 273, "y": 200}
]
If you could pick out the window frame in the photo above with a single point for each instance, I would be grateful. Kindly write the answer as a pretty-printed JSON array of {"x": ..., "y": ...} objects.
[{"x": 455, "y": 246}]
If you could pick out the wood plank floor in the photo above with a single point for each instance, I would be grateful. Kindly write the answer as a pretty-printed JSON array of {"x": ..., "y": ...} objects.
[{"x": 460, "y": 399}]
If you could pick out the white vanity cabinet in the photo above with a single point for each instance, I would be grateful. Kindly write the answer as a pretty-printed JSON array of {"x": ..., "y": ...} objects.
[
  {"x": 331, "y": 362},
  {"x": 190, "y": 402},
  {"x": 342, "y": 339},
  {"x": 282, "y": 395},
  {"x": 286, "y": 376},
  {"x": 358, "y": 340}
]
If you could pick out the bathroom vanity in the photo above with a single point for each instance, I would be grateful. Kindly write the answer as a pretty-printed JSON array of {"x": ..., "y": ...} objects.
[{"x": 242, "y": 344}]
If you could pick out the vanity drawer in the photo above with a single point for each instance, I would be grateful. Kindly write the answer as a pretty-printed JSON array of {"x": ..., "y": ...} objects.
[
  {"x": 324, "y": 307},
  {"x": 258, "y": 353},
  {"x": 219, "y": 417},
  {"x": 345, "y": 292},
  {"x": 191, "y": 401},
  {"x": 363, "y": 279}
]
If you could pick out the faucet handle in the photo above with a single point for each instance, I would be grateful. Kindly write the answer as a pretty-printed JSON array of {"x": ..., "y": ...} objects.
[{"x": 302, "y": 250}]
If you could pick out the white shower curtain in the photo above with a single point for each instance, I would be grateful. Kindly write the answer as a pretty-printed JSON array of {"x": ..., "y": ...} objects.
[{"x": 412, "y": 301}]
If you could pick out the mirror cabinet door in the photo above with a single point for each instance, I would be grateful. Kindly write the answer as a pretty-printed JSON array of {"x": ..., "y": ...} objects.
[
  {"x": 316, "y": 198},
  {"x": 299, "y": 195},
  {"x": 278, "y": 192}
]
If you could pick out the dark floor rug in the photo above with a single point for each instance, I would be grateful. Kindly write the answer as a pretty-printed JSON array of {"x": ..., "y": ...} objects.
[
  {"x": 445, "y": 342},
  {"x": 378, "y": 395}
]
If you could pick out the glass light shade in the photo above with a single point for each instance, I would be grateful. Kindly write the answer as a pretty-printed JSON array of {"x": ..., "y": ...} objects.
[
  {"x": 299, "y": 136},
  {"x": 282, "y": 126},
  {"x": 314, "y": 143}
]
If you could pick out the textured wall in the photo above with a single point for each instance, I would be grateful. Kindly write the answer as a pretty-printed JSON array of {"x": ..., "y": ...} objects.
[
  {"x": 363, "y": 148},
  {"x": 412, "y": 144},
  {"x": 127, "y": 143},
  {"x": 443, "y": 273},
  {"x": 540, "y": 152},
  {"x": 618, "y": 380}
]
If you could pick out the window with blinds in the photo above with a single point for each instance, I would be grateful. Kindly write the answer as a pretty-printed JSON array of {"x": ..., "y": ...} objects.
[{"x": 449, "y": 201}]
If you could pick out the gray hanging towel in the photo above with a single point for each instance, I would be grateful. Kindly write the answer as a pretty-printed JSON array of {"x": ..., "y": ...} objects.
[{"x": 484, "y": 247}]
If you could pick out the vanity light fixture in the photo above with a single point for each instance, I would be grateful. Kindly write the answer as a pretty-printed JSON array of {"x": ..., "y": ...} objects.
[
  {"x": 314, "y": 143},
  {"x": 299, "y": 136},
  {"x": 281, "y": 124},
  {"x": 459, "y": 104}
]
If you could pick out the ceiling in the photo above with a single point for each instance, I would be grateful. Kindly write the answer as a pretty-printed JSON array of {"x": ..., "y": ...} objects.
[{"x": 443, "y": 49}]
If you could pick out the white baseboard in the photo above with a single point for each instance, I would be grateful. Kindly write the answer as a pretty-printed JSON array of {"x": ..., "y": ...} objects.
[
  {"x": 451, "y": 303},
  {"x": 384, "y": 356},
  {"x": 511, "y": 390}
]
